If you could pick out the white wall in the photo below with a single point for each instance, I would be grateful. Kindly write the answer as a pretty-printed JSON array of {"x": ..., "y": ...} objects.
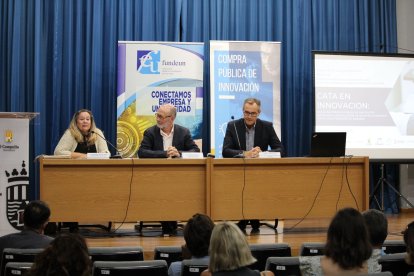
[
  {"x": 405, "y": 24},
  {"x": 405, "y": 32}
]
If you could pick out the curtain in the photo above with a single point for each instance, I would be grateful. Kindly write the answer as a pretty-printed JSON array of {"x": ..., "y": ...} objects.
[{"x": 60, "y": 56}]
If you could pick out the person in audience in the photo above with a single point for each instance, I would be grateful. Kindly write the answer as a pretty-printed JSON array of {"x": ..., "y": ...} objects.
[
  {"x": 247, "y": 137},
  {"x": 82, "y": 137},
  {"x": 230, "y": 253},
  {"x": 347, "y": 248},
  {"x": 35, "y": 218},
  {"x": 66, "y": 255},
  {"x": 197, "y": 233},
  {"x": 377, "y": 225},
  {"x": 409, "y": 242},
  {"x": 166, "y": 140}
]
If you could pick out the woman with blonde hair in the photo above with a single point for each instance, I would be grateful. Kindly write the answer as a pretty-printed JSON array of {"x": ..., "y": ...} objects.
[
  {"x": 82, "y": 137},
  {"x": 230, "y": 253}
]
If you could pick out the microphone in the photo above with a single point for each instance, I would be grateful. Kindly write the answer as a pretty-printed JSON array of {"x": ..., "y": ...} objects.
[
  {"x": 117, "y": 155},
  {"x": 239, "y": 155}
]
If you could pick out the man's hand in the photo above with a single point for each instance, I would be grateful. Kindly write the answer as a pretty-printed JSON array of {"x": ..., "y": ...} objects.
[
  {"x": 172, "y": 152},
  {"x": 253, "y": 153}
]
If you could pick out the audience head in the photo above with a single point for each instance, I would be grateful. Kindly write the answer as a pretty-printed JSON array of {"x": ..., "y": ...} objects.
[
  {"x": 377, "y": 226},
  {"x": 348, "y": 241},
  {"x": 229, "y": 249},
  {"x": 409, "y": 242},
  {"x": 36, "y": 215},
  {"x": 66, "y": 255},
  {"x": 197, "y": 234}
]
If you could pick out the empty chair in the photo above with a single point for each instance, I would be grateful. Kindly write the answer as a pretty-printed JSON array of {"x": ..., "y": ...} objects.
[
  {"x": 168, "y": 253},
  {"x": 18, "y": 255},
  {"x": 391, "y": 247},
  {"x": 263, "y": 251},
  {"x": 283, "y": 266},
  {"x": 132, "y": 268},
  {"x": 312, "y": 249},
  {"x": 122, "y": 253},
  {"x": 16, "y": 268},
  {"x": 395, "y": 263},
  {"x": 193, "y": 267}
]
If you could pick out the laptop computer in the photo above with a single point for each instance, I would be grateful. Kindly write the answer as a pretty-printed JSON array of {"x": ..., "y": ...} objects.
[{"x": 328, "y": 144}]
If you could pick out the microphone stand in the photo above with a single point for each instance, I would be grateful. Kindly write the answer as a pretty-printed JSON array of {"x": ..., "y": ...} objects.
[
  {"x": 117, "y": 155},
  {"x": 239, "y": 155}
]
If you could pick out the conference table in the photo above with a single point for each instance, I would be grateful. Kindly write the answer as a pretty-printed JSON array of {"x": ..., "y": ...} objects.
[{"x": 90, "y": 190}]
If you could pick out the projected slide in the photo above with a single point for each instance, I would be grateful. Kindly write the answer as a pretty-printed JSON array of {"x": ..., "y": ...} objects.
[{"x": 371, "y": 97}]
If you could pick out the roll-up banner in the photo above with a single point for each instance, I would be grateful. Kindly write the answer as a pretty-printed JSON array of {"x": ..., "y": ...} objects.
[
  {"x": 14, "y": 169},
  {"x": 154, "y": 73},
  {"x": 240, "y": 70}
]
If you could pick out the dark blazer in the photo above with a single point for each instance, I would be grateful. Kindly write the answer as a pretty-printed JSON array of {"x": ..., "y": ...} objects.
[
  {"x": 264, "y": 136},
  {"x": 152, "y": 145}
]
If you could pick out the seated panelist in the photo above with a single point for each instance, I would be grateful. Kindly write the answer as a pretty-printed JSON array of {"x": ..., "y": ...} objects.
[
  {"x": 81, "y": 137},
  {"x": 166, "y": 140},
  {"x": 247, "y": 137}
]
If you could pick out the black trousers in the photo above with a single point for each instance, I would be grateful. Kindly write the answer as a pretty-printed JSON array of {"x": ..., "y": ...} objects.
[
  {"x": 169, "y": 227},
  {"x": 255, "y": 223}
]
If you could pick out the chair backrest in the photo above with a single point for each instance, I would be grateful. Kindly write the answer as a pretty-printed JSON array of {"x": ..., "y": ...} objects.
[
  {"x": 283, "y": 266},
  {"x": 391, "y": 247},
  {"x": 132, "y": 268},
  {"x": 312, "y": 249},
  {"x": 263, "y": 251},
  {"x": 193, "y": 267},
  {"x": 395, "y": 263},
  {"x": 16, "y": 268},
  {"x": 385, "y": 273},
  {"x": 410, "y": 274},
  {"x": 121, "y": 253},
  {"x": 18, "y": 255},
  {"x": 168, "y": 253}
]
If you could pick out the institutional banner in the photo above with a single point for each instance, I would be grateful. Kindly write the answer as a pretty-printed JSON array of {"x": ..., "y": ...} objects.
[
  {"x": 151, "y": 74},
  {"x": 14, "y": 173},
  {"x": 239, "y": 70}
]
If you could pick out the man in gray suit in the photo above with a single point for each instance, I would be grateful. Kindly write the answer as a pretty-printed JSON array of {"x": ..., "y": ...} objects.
[
  {"x": 35, "y": 218},
  {"x": 166, "y": 140}
]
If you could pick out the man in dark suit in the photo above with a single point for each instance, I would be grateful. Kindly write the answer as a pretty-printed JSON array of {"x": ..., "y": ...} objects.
[
  {"x": 166, "y": 140},
  {"x": 35, "y": 218},
  {"x": 247, "y": 137}
]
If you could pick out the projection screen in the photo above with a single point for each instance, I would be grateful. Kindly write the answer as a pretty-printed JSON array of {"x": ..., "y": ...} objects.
[{"x": 371, "y": 97}]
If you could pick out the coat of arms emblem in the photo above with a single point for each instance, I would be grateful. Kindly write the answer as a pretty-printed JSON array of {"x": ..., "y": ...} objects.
[{"x": 17, "y": 193}]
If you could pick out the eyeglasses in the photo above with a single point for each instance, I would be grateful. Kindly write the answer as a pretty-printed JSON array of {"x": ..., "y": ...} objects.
[
  {"x": 159, "y": 116},
  {"x": 250, "y": 114}
]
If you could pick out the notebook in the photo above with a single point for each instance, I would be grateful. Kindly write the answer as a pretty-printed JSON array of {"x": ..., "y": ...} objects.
[{"x": 328, "y": 144}]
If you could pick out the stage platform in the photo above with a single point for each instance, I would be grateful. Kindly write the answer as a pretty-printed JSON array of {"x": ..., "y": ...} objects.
[{"x": 309, "y": 230}]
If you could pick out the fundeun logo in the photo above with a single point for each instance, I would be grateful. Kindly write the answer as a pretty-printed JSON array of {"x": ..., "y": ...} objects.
[{"x": 148, "y": 61}]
